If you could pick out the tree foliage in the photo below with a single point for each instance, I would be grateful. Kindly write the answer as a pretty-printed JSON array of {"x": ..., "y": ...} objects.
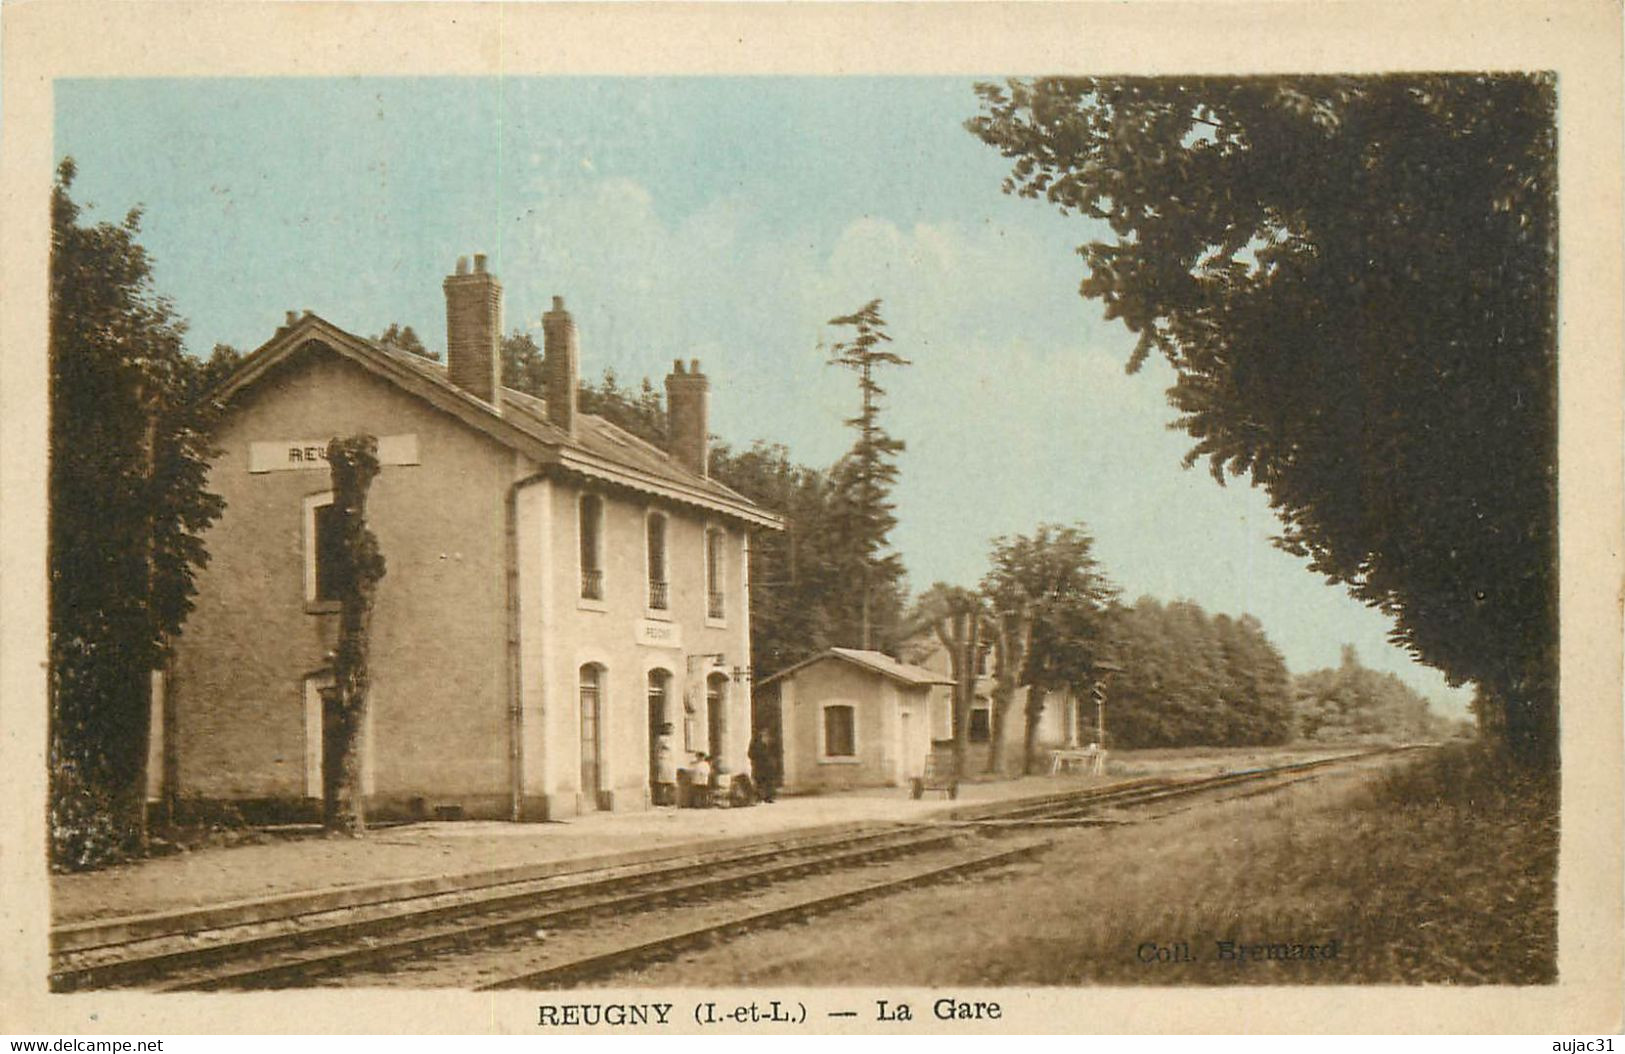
[
  {"x": 1353, "y": 702},
  {"x": 1049, "y": 600},
  {"x": 357, "y": 568},
  {"x": 406, "y": 339},
  {"x": 1354, "y": 280},
  {"x": 129, "y": 461},
  {"x": 865, "y": 477},
  {"x": 1190, "y": 679}
]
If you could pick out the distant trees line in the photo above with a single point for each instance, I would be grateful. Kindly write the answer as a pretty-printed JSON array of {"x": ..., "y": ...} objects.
[{"x": 1190, "y": 678}]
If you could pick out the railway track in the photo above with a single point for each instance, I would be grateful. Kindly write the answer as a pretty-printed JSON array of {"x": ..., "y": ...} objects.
[{"x": 559, "y": 929}]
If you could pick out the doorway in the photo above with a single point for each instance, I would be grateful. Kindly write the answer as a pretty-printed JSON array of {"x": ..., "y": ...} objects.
[
  {"x": 659, "y": 727},
  {"x": 716, "y": 720},
  {"x": 592, "y": 736}
]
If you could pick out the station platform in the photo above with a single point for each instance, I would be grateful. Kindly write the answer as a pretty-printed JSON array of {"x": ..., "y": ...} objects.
[{"x": 300, "y": 863}]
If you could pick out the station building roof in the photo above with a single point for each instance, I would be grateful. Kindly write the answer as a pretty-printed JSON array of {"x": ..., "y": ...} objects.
[{"x": 597, "y": 450}]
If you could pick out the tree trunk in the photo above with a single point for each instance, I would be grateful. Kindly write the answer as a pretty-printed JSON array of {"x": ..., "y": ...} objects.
[
  {"x": 1007, "y": 665},
  {"x": 957, "y": 634},
  {"x": 1035, "y": 712},
  {"x": 354, "y": 463}
]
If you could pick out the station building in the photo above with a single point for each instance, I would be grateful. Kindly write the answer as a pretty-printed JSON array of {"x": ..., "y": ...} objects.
[{"x": 556, "y": 591}]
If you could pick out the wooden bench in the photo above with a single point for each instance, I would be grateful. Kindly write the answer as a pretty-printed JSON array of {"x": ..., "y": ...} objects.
[{"x": 1091, "y": 760}]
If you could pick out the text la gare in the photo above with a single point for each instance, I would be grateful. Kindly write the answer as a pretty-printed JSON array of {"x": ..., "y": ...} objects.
[{"x": 945, "y": 1009}]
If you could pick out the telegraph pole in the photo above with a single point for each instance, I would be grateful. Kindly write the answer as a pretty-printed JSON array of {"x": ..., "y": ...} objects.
[{"x": 1098, "y": 692}]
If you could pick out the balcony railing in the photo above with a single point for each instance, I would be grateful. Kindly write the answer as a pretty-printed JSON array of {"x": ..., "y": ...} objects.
[
  {"x": 592, "y": 584},
  {"x": 713, "y": 605},
  {"x": 659, "y": 595}
]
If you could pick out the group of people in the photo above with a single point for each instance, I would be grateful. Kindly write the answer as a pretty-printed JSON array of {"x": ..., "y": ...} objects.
[{"x": 703, "y": 780}]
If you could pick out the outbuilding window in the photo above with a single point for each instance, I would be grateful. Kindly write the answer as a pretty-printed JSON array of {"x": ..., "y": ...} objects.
[{"x": 840, "y": 728}]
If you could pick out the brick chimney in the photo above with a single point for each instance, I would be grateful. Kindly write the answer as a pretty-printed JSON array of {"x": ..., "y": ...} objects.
[
  {"x": 687, "y": 393},
  {"x": 561, "y": 366},
  {"x": 474, "y": 330}
]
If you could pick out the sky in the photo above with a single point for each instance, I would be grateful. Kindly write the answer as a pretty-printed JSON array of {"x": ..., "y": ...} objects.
[{"x": 724, "y": 219}]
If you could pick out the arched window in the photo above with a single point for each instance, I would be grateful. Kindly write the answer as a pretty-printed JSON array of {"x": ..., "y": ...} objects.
[
  {"x": 659, "y": 588},
  {"x": 715, "y": 583},
  {"x": 592, "y": 686},
  {"x": 591, "y": 531}
]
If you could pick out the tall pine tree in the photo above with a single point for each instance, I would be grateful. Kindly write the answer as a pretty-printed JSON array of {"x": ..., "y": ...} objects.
[{"x": 869, "y": 471}]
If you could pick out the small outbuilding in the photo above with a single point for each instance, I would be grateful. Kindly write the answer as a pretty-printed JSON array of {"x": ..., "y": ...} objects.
[{"x": 851, "y": 718}]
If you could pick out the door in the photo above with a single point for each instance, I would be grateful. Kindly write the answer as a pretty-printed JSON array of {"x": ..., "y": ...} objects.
[
  {"x": 591, "y": 746},
  {"x": 716, "y": 720}
]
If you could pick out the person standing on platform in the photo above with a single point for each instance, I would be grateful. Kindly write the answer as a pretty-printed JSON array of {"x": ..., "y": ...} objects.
[
  {"x": 764, "y": 765},
  {"x": 665, "y": 789},
  {"x": 699, "y": 775}
]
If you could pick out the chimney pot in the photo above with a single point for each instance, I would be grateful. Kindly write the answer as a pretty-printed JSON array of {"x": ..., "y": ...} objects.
[
  {"x": 292, "y": 317},
  {"x": 688, "y": 434},
  {"x": 479, "y": 263},
  {"x": 561, "y": 366},
  {"x": 474, "y": 332},
  {"x": 693, "y": 365}
]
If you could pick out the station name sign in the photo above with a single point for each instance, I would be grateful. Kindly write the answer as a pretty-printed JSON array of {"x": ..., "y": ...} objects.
[
  {"x": 287, "y": 455},
  {"x": 654, "y": 633}
]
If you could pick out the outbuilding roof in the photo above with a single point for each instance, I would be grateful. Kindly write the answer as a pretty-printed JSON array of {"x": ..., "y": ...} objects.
[
  {"x": 598, "y": 449},
  {"x": 873, "y": 661}
]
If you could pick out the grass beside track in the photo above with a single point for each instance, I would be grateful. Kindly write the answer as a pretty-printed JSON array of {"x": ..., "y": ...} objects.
[{"x": 1437, "y": 869}]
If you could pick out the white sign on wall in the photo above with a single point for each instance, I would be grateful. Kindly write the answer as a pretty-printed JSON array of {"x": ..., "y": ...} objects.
[
  {"x": 283, "y": 455},
  {"x": 654, "y": 633}
]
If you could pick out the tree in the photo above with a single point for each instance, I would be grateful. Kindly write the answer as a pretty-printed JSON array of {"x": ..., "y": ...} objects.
[
  {"x": 958, "y": 617},
  {"x": 870, "y": 470},
  {"x": 643, "y": 412},
  {"x": 1191, "y": 679},
  {"x": 1354, "y": 281},
  {"x": 1353, "y": 702},
  {"x": 406, "y": 339},
  {"x": 221, "y": 363},
  {"x": 129, "y": 462},
  {"x": 522, "y": 364},
  {"x": 353, "y": 464},
  {"x": 1049, "y": 598}
]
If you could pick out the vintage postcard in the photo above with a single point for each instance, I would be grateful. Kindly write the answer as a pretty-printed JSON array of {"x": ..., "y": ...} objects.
[{"x": 870, "y": 518}]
